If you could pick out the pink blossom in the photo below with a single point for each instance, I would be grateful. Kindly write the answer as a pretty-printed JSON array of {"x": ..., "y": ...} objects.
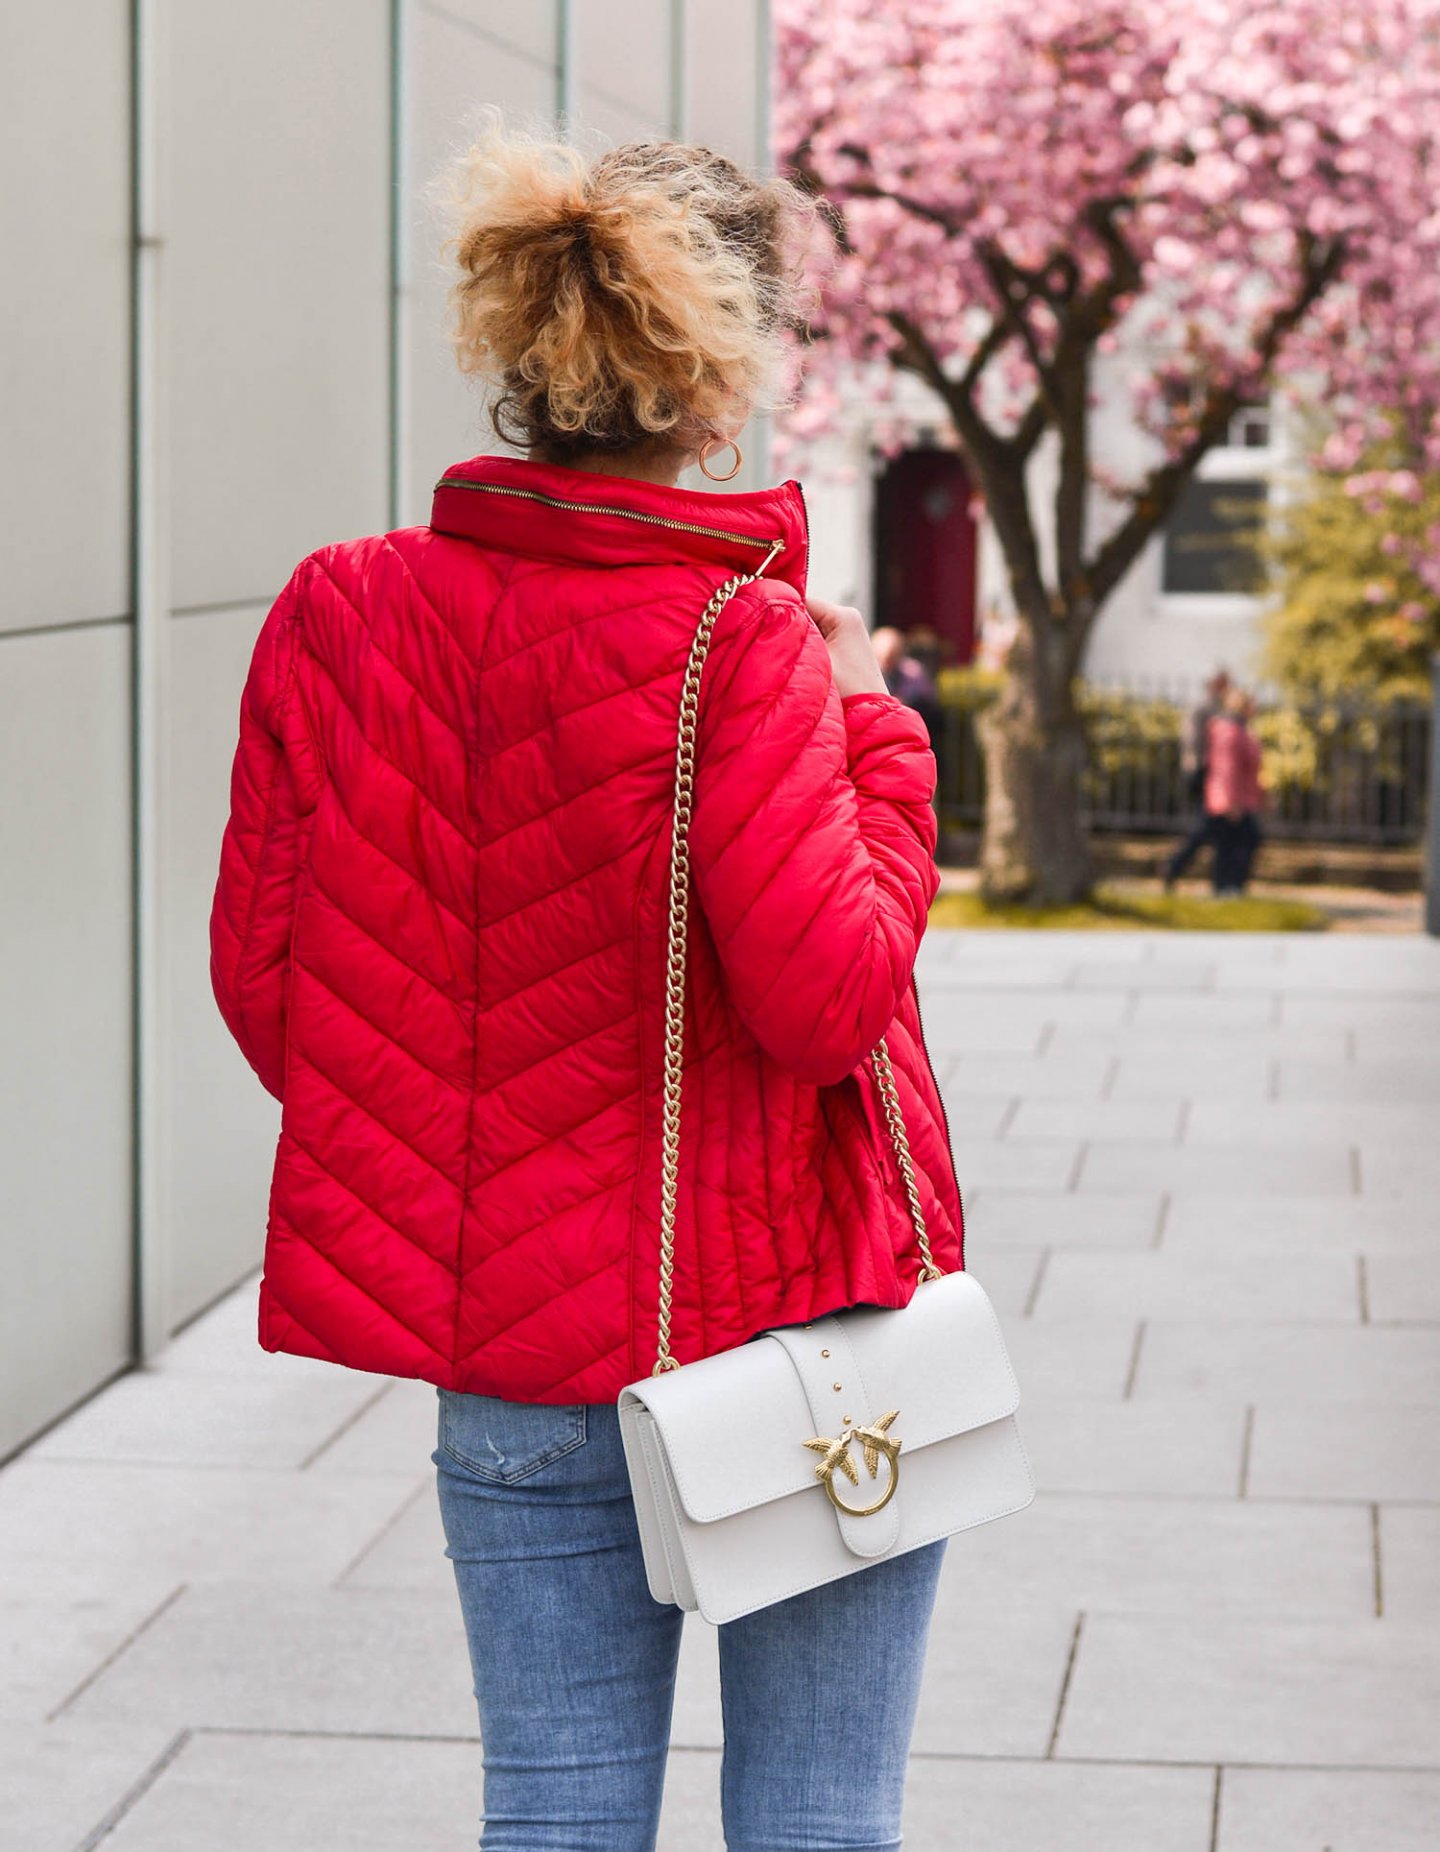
[{"x": 1265, "y": 163}]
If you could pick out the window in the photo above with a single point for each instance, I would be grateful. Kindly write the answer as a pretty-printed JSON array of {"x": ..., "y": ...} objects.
[
  {"x": 1210, "y": 538},
  {"x": 1250, "y": 427}
]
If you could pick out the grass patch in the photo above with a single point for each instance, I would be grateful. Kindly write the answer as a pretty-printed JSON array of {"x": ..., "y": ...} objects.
[{"x": 1113, "y": 909}]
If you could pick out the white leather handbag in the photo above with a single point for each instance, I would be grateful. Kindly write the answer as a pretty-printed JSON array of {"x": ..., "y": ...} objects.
[{"x": 776, "y": 1466}]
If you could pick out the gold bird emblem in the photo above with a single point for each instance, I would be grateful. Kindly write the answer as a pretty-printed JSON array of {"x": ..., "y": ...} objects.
[{"x": 875, "y": 1439}]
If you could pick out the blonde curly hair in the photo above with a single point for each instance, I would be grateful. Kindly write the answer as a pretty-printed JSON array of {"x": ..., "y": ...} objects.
[{"x": 636, "y": 299}]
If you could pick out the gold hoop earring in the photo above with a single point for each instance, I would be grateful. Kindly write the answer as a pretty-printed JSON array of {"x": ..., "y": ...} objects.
[{"x": 730, "y": 473}]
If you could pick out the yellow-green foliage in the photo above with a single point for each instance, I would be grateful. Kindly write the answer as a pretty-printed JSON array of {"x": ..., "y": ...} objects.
[
  {"x": 1352, "y": 615},
  {"x": 1138, "y": 733},
  {"x": 1289, "y": 748},
  {"x": 1120, "y": 909},
  {"x": 1125, "y": 731},
  {"x": 1120, "y": 726},
  {"x": 967, "y": 686}
]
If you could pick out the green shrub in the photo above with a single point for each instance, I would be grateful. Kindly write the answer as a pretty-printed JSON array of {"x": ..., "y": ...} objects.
[
  {"x": 1135, "y": 743},
  {"x": 1119, "y": 909}
]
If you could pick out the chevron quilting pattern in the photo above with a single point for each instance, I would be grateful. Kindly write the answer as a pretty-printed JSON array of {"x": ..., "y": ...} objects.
[{"x": 438, "y": 937}]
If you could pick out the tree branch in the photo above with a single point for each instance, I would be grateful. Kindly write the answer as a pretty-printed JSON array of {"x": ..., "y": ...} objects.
[
  {"x": 1320, "y": 264},
  {"x": 1014, "y": 289},
  {"x": 1072, "y": 487},
  {"x": 932, "y": 215},
  {"x": 999, "y": 470},
  {"x": 1029, "y": 429},
  {"x": 992, "y": 343}
]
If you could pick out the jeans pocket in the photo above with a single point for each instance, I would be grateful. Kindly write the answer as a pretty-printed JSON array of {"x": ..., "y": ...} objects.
[{"x": 502, "y": 1441}]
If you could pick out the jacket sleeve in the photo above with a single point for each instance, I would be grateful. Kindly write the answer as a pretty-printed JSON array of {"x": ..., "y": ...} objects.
[
  {"x": 812, "y": 839},
  {"x": 260, "y": 852}
]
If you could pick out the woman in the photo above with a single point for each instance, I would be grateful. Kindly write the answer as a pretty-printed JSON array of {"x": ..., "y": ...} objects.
[
  {"x": 1194, "y": 765},
  {"x": 1233, "y": 794},
  {"x": 438, "y": 936}
]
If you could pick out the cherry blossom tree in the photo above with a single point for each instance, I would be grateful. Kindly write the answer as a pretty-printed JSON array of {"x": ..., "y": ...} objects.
[
  {"x": 1355, "y": 559},
  {"x": 1198, "y": 202}
]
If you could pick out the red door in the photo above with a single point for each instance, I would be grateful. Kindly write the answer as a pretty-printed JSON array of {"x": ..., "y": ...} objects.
[{"x": 925, "y": 549}]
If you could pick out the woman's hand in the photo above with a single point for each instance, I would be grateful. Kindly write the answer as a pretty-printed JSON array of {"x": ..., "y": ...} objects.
[{"x": 852, "y": 659}]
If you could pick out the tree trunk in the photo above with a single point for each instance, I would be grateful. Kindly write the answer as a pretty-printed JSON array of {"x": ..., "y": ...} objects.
[{"x": 1035, "y": 849}]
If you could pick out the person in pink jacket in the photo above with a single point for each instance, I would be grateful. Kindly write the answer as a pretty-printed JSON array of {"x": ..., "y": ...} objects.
[
  {"x": 439, "y": 938},
  {"x": 1233, "y": 792}
]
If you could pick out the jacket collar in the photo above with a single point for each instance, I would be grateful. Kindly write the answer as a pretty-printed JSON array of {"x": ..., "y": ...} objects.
[{"x": 546, "y": 511}]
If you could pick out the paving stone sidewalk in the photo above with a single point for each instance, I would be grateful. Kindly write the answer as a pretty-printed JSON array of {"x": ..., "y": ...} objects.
[{"x": 1201, "y": 1176}]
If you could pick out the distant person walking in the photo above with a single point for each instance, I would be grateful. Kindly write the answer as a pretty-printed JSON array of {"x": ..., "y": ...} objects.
[
  {"x": 1233, "y": 792},
  {"x": 1194, "y": 764},
  {"x": 909, "y": 679}
]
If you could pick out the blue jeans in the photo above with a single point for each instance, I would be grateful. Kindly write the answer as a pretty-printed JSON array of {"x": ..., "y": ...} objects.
[
  {"x": 574, "y": 1660},
  {"x": 1236, "y": 842}
]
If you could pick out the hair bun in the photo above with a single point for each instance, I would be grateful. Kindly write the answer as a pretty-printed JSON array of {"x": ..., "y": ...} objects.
[{"x": 619, "y": 301}]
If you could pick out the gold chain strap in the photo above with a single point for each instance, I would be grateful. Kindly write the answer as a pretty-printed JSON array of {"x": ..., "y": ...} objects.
[
  {"x": 675, "y": 950},
  {"x": 890, "y": 1100}
]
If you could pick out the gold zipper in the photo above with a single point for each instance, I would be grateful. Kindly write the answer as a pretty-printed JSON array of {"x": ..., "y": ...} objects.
[{"x": 631, "y": 514}]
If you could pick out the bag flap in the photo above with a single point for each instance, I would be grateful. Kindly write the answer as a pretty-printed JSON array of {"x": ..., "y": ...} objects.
[{"x": 734, "y": 1424}]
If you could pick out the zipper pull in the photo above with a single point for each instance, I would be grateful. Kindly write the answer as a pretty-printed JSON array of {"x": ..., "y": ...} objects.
[{"x": 775, "y": 547}]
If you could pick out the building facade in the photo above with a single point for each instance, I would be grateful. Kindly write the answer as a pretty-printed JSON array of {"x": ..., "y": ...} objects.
[
  {"x": 228, "y": 350},
  {"x": 906, "y": 537}
]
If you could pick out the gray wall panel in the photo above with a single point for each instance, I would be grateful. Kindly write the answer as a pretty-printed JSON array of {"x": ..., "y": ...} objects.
[
  {"x": 501, "y": 25},
  {"x": 617, "y": 120},
  {"x": 66, "y": 1117},
  {"x": 278, "y": 286},
  {"x": 65, "y": 334},
  {"x": 722, "y": 63},
  {"x": 721, "y": 59},
  {"x": 452, "y": 73},
  {"x": 623, "y": 57}
]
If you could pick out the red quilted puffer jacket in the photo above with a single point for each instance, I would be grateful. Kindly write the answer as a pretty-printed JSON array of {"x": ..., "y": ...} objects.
[{"x": 438, "y": 936}]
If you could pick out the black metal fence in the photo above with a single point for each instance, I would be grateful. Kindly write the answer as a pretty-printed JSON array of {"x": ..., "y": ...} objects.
[{"x": 1339, "y": 771}]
